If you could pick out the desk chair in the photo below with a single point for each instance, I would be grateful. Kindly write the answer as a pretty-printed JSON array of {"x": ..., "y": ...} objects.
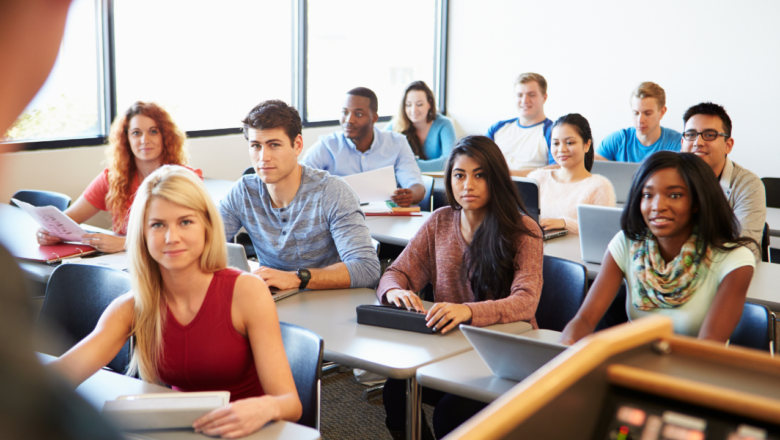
[
  {"x": 76, "y": 296},
  {"x": 439, "y": 198},
  {"x": 42, "y": 198},
  {"x": 250, "y": 170},
  {"x": 564, "y": 289},
  {"x": 755, "y": 329},
  {"x": 304, "y": 352},
  {"x": 772, "y": 188},
  {"x": 426, "y": 204}
]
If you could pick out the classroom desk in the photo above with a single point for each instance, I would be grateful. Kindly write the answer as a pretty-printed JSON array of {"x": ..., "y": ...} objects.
[
  {"x": 105, "y": 385},
  {"x": 395, "y": 230},
  {"x": 218, "y": 188},
  {"x": 468, "y": 375},
  {"x": 773, "y": 220},
  {"x": 393, "y": 353}
]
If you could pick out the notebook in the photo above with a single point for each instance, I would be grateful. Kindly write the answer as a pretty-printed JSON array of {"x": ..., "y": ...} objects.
[
  {"x": 163, "y": 410},
  {"x": 513, "y": 357},
  {"x": 598, "y": 225},
  {"x": 237, "y": 259},
  {"x": 621, "y": 174}
]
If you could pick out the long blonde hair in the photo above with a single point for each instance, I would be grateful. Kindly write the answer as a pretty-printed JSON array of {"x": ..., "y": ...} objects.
[
  {"x": 121, "y": 162},
  {"x": 181, "y": 186}
]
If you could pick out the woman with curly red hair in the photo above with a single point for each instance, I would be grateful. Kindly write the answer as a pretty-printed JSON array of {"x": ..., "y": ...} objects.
[{"x": 142, "y": 139}]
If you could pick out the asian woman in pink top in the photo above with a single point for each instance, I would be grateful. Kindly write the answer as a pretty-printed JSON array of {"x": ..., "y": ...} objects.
[
  {"x": 483, "y": 256},
  {"x": 562, "y": 189}
]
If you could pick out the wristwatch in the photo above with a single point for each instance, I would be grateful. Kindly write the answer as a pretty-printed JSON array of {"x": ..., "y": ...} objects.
[{"x": 304, "y": 276}]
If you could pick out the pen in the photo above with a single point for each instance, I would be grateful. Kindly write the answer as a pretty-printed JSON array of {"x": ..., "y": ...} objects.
[{"x": 364, "y": 204}]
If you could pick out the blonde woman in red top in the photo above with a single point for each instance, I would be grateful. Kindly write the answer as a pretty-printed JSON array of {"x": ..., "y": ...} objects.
[
  {"x": 198, "y": 325},
  {"x": 142, "y": 139}
]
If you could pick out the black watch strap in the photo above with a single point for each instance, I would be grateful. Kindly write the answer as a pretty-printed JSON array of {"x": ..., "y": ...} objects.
[{"x": 304, "y": 275}]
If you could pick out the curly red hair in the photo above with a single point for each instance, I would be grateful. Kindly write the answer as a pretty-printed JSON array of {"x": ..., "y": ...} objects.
[{"x": 121, "y": 163}]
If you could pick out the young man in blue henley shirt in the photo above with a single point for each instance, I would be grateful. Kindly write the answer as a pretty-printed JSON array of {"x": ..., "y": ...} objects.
[
  {"x": 306, "y": 225},
  {"x": 648, "y": 106},
  {"x": 525, "y": 140}
]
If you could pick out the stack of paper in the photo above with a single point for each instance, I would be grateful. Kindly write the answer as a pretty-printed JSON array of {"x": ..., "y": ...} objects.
[
  {"x": 376, "y": 208},
  {"x": 373, "y": 186}
]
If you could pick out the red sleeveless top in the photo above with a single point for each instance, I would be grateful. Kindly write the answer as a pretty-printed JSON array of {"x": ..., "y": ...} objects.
[{"x": 208, "y": 354}]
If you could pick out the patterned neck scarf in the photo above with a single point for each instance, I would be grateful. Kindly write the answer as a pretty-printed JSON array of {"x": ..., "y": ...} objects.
[{"x": 667, "y": 286}]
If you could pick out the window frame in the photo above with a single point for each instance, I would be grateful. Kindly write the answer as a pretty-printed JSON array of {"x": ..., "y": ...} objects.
[{"x": 107, "y": 79}]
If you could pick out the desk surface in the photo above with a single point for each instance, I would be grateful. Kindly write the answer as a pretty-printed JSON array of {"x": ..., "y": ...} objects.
[
  {"x": 467, "y": 374},
  {"x": 218, "y": 188},
  {"x": 393, "y": 353},
  {"x": 773, "y": 220},
  {"x": 395, "y": 230},
  {"x": 105, "y": 385}
]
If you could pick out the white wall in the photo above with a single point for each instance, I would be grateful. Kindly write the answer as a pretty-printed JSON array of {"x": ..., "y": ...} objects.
[{"x": 593, "y": 53}]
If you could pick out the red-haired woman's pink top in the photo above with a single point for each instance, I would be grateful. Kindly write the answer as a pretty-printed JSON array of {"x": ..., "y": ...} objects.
[
  {"x": 436, "y": 255},
  {"x": 97, "y": 191},
  {"x": 208, "y": 354}
]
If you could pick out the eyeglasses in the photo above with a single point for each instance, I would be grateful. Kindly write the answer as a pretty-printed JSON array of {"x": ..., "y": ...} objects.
[{"x": 707, "y": 135}]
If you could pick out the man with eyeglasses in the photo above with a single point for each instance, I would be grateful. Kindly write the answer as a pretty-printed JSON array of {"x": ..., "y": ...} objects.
[{"x": 708, "y": 135}]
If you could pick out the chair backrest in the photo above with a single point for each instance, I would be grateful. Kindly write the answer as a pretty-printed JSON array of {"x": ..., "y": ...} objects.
[
  {"x": 564, "y": 289},
  {"x": 755, "y": 329},
  {"x": 425, "y": 204},
  {"x": 250, "y": 170},
  {"x": 42, "y": 198},
  {"x": 772, "y": 188},
  {"x": 76, "y": 297},
  {"x": 765, "y": 244},
  {"x": 529, "y": 192},
  {"x": 304, "y": 352},
  {"x": 439, "y": 198}
]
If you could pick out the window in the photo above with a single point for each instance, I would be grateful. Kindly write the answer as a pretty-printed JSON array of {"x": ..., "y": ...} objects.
[
  {"x": 382, "y": 46},
  {"x": 69, "y": 105},
  {"x": 207, "y": 63}
]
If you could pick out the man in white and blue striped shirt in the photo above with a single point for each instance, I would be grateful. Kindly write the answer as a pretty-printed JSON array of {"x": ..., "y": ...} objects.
[{"x": 306, "y": 225}]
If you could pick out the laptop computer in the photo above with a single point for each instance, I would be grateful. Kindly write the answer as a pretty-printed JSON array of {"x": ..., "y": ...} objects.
[
  {"x": 513, "y": 357},
  {"x": 621, "y": 174},
  {"x": 529, "y": 192},
  {"x": 237, "y": 258},
  {"x": 598, "y": 226}
]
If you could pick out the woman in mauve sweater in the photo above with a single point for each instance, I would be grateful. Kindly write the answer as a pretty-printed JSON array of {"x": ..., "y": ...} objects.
[
  {"x": 483, "y": 255},
  {"x": 562, "y": 189}
]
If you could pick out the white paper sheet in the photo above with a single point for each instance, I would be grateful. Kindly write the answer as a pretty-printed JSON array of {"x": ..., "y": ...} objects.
[
  {"x": 373, "y": 186},
  {"x": 115, "y": 261},
  {"x": 376, "y": 207},
  {"x": 54, "y": 221}
]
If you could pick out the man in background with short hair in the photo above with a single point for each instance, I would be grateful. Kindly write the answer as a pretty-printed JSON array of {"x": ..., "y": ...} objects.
[
  {"x": 708, "y": 135},
  {"x": 648, "y": 107},
  {"x": 361, "y": 147},
  {"x": 525, "y": 140}
]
